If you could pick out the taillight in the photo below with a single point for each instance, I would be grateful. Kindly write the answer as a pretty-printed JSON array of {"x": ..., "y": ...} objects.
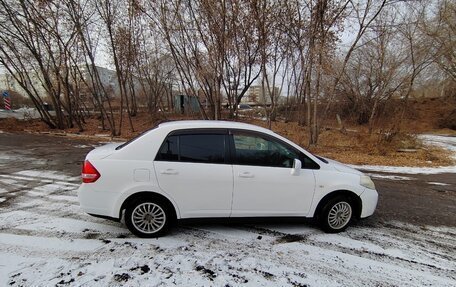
[{"x": 89, "y": 173}]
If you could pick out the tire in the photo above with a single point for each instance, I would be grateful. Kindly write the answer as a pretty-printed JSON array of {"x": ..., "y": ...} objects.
[
  {"x": 148, "y": 217},
  {"x": 336, "y": 214}
]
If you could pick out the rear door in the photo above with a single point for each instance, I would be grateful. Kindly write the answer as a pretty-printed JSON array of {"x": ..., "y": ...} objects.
[
  {"x": 192, "y": 166},
  {"x": 263, "y": 183}
]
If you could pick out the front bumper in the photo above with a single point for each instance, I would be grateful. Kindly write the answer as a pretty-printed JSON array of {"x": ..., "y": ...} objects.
[{"x": 369, "y": 199}]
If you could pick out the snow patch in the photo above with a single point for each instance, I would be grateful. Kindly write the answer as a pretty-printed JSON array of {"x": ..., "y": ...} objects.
[
  {"x": 46, "y": 243},
  {"x": 44, "y": 174},
  {"x": 18, "y": 217},
  {"x": 406, "y": 169},
  {"x": 48, "y": 189},
  {"x": 446, "y": 142},
  {"x": 8, "y": 181},
  {"x": 68, "y": 183},
  {"x": 438, "y": 183},
  {"x": 9, "y": 263},
  {"x": 8, "y": 157},
  {"x": 81, "y": 146},
  {"x": 350, "y": 264},
  {"x": 64, "y": 198},
  {"x": 392, "y": 177},
  {"x": 294, "y": 229},
  {"x": 71, "y": 226}
]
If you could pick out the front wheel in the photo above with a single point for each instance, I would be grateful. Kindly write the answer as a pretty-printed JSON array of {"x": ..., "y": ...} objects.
[
  {"x": 336, "y": 214},
  {"x": 148, "y": 218}
]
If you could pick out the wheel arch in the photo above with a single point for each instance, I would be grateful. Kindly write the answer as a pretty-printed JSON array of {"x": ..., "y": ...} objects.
[
  {"x": 355, "y": 199},
  {"x": 148, "y": 194}
]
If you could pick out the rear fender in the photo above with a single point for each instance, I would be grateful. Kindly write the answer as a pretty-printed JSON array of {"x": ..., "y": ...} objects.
[{"x": 115, "y": 212}]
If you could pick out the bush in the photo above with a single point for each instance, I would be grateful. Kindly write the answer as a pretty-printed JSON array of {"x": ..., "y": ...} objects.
[
  {"x": 386, "y": 142},
  {"x": 449, "y": 121}
]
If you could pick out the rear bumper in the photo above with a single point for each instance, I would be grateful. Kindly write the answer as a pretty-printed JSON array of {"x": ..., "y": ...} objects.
[
  {"x": 369, "y": 199},
  {"x": 96, "y": 203}
]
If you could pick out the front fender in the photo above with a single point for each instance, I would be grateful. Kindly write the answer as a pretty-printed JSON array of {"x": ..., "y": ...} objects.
[{"x": 328, "y": 182}]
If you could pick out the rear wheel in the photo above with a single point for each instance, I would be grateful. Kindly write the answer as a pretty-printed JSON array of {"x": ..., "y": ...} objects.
[
  {"x": 148, "y": 217},
  {"x": 336, "y": 214}
]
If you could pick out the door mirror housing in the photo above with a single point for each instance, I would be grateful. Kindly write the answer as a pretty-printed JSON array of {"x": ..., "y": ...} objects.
[{"x": 296, "y": 170}]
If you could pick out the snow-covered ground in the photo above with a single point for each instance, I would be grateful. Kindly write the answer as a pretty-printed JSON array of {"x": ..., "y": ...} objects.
[
  {"x": 446, "y": 142},
  {"x": 22, "y": 113},
  {"x": 46, "y": 240}
]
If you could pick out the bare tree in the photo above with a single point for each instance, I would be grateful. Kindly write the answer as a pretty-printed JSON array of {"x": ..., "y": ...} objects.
[
  {"x": 242, "y": 53},
  {"x": 83, "y": 19},
  {"x": 387, "y": 64},
  {"x": 325, "y": 19},
  {"x": 440, "y": 29},
  {"x": 37, "y": 45},
  {"x": 119, "y": 40}
]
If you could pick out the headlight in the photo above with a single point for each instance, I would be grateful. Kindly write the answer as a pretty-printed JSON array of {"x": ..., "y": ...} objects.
[{"x": 367, "y": 182}]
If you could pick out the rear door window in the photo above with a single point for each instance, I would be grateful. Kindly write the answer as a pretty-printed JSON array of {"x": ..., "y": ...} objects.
[
  {"x": 199, "y": 148},
  {"x": 208, "y": 148},
  {"x": 169, "y": 149}
]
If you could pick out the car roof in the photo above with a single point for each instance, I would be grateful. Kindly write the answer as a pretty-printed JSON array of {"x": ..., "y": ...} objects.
[{"x": 211, "y": 124}]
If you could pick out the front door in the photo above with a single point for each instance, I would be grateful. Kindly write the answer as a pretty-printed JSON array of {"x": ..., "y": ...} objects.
[{"x": 263, "y": 182}]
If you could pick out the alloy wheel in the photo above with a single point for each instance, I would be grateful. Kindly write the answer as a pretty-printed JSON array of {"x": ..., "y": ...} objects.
[
  {"x": 339, "y": 215},
  {"x": 148, "y": 217}
]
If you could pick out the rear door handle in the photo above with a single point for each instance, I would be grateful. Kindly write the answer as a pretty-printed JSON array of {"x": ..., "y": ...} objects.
[
  {"x": 169, "y": 171},
  {"x": 246, "y": 174}
]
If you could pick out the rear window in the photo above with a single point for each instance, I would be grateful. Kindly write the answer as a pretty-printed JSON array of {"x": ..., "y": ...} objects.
[{"x": 133, "y": 139}]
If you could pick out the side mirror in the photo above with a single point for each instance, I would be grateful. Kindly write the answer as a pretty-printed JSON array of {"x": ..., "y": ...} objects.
[{"x": 296, "y": 170}]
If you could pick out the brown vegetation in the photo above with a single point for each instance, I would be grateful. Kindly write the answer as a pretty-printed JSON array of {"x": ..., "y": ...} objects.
[{"x": 355, "y": 146}]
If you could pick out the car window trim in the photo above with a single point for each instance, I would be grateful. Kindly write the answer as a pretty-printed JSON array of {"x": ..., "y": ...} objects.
[{"x": 198, "y": 131}]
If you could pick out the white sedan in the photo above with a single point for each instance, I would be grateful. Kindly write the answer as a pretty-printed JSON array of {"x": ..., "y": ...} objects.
[{"x": 202, "y": 169}]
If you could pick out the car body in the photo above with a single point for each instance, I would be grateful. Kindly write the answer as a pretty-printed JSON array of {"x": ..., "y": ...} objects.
[{"x": 202, "y": 169}]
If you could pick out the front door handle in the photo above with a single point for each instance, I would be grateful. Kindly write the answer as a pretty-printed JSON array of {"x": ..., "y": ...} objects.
[
  {"x": 169, "y": 171},
  {"x": 246, "y": 174}
]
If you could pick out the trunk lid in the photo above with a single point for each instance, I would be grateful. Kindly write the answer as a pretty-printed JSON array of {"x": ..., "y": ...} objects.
[{"x": 102, "y": 151}]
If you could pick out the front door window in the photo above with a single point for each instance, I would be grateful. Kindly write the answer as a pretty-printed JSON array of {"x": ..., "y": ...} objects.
[{"x": 259, "y": 151}]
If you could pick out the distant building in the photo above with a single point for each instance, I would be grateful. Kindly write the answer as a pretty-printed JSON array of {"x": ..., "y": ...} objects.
[
  {"x": 185, "y": 104},
  {"x": 7, "y": 82},
  {"x": 257, "y": 96},
  {"x": 108, "y": 79}
]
